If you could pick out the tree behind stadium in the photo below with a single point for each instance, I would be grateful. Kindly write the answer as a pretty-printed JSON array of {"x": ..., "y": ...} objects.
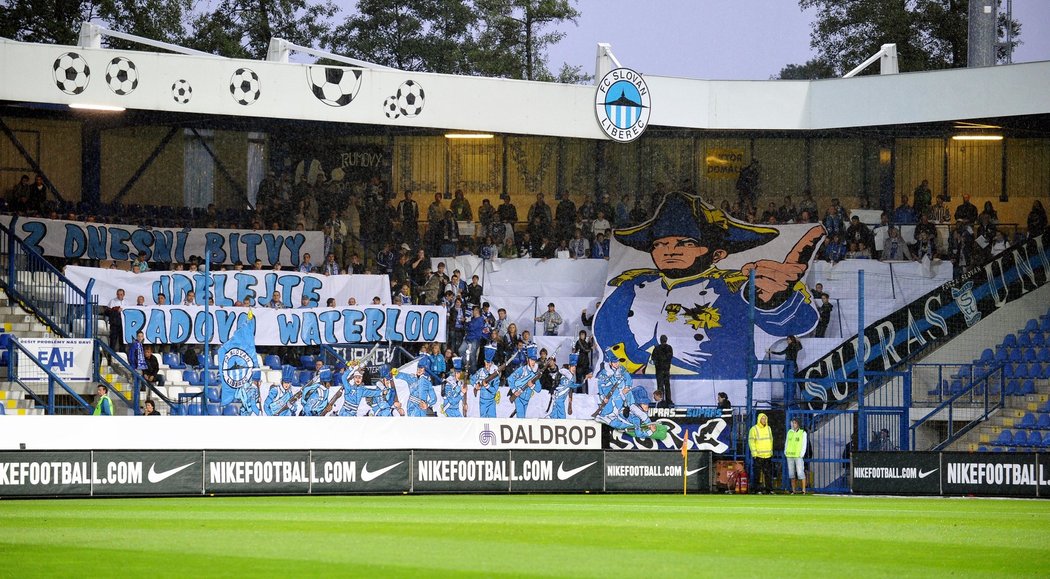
[{"x": 929, "y": 34}]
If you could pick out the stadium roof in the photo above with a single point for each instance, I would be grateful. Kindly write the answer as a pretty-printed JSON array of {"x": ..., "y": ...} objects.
[{"x": 50, "y": 75}]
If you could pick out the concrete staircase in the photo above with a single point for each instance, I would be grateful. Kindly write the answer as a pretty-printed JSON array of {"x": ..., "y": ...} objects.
[
  {"x": 1008, "y": 418},
  {"x": 14, "y": 320},
  {"x": 21, "y": 324}
]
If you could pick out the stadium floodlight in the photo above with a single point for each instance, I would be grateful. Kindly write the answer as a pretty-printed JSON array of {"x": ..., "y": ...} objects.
[
  {"x": 280, "y": 48},
  {"x": 91, "y": 37},
  {"x": 93, "y": 107},
  {"x": 887, "y": 57},
  {"x": 977, "y": 137},
  {"x": 469, "y": 136}
]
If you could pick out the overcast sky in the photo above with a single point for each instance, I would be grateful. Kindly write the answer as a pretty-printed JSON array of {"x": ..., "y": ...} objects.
[{"x": 726, "y": 39}]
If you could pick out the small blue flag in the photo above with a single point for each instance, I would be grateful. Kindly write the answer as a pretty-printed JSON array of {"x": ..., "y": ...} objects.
[{"x": 237, "y": 359}]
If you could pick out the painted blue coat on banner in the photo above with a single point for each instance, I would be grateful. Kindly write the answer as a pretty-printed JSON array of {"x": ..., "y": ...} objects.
[{"x": 684, "y": 274}]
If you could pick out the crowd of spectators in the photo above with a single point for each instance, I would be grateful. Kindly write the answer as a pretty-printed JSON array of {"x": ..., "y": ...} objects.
[{"x": 368, "y": 230}]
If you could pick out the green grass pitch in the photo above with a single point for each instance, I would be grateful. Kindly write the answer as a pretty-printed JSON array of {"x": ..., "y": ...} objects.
[{"x": 532, "y": 535}]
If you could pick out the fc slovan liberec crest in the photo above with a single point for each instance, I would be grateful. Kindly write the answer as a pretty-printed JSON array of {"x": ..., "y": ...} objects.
[
  {"x": 237, "y": 367},
  {"x": 621, "y": 104}
]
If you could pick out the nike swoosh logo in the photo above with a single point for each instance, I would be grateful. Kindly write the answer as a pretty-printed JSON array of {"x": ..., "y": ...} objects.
[
  {"x": 155, "y": 477},
  {"x": 692, "y": 472},
  {"x": 567, "y": 474},
  {"x": 370, "y": 475},
  {"x": 926, "y": 474}
]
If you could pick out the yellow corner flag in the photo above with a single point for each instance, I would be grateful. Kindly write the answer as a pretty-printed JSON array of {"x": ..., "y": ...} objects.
[{"x": 685, "y": 465}]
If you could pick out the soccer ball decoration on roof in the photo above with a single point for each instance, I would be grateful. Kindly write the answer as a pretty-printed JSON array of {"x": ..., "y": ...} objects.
[
  {"x": 72, "y": 73},
  {"x": 122, "y": 77},
  {"x": 390, "y": 107},
  {"x": 181, "y": 91},
  {"x": 335, "y": 87},
  {"x": 245, "y": 86},
  {"x": 410, "y": 99}
]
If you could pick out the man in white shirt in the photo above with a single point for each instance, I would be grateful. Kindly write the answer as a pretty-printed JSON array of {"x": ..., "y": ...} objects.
[
  {"x": 600, "y": 225},
  {"x": 116, "y": 323}
]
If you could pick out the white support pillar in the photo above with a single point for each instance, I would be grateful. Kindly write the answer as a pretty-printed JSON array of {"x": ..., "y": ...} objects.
[{"x": 604, "y": 61}]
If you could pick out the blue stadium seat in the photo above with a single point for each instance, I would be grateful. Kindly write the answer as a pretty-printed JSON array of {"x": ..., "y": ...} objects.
[
  {"x": 257, "y": 375},
  {"x": 1032, "y": 325},
  {"x": 2, "y": 411},
  {"x": 1020, "y": 438},
  {"x": 273, "y": 362},
  {"x": 1029, "y": 355},
  {"x": 1012, "y": 387},
  {"x": 1021, "y": 371},
  {"x": 302, "y": 377},
  {"x": 213, "y": 363},
  {"x": 178, "y": 410},
  {"x": 1044, "y": 421},
  {"x": 1024, "y": 340},
  {"x": 1028, "y": 421},
  {"x": 1001, "y": 354},
  {"x": 1044, "y": 355},
  {"x": 193, "y": 409},
  {"x": 1015, "y": 355},
  {"x": 230, "y": 410},
  {"x": 306, "y": 362},
  {"x": 1027, "y": 387},
  {"x": 1044, "y": 372},
  {"x": 982, "y": 449},
  {"x": 214, "y": 394},
  {"x": 1045, "y": 325},
  {"x": 214, "y": 409},
  {"x": 956, "y": 388},
  {"x": 1038, "y": 339},
  {"x": 174, "y": 361},
  {"x": 192, "y": 377},
  {"x": 1009, "y": 341},
  {"x": 1005, "y": 437},
  {"x": 1035, "y": 439},
  {"x": 987, "y": 355}
]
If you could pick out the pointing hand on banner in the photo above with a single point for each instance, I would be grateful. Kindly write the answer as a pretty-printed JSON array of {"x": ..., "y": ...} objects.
[{"x": 774, "y": 279}]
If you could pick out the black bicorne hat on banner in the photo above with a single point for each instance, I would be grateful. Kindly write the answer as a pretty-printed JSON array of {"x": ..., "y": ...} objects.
[{"x": 684, "y": 215}]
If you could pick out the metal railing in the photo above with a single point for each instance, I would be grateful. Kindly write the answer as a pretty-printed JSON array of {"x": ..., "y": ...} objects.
[
  {"x": 972, "y": 404},
  {"x": 17, "y": 354},
  {"x": 138, "y": 382},
  {"x": 39, "y": 287}
]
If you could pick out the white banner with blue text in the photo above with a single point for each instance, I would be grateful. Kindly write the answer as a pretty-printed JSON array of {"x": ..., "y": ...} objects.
[
  {"x": 287, "y": 327},
  {"x": 83, "y": 240}
]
